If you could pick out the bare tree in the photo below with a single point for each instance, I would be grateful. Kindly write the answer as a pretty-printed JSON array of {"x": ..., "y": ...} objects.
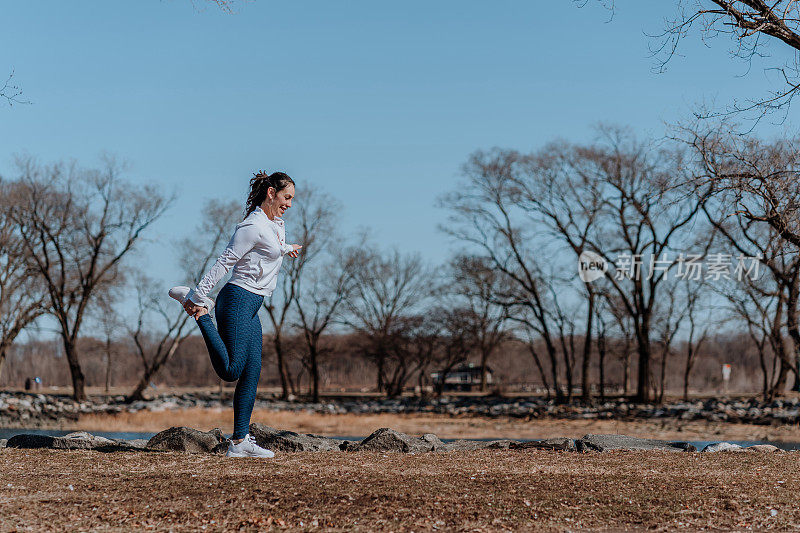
[
  {"x": 486, "y": 214},
  {"x": 752, "y": 25},
  {"x": 21, "y": 297},
  {"x": 569, "y": 201},
  {"x": 312, "y": 224},
  {"x": 667, "y": 320},
  {"x": 11, "y": 92},
  {"x": 76, "y": 226},
  {"x": 632, "y": 212},
  {"x": 110, "y": 323},
  {"x": 698, "y": 334},
  {"x": 319, "y": 302},
  {"x": 478, "y": 286},
  {"x": 161, "y": 325},
  {"x": 387, "y": 288},
  {"x": 646, "y": 216},
  {"x": 457, "y": 336},
  {"x": 756, "y": 208}
]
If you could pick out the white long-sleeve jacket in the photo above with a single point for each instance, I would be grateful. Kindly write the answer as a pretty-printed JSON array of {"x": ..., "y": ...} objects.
[{"x": 255, "y": 252}]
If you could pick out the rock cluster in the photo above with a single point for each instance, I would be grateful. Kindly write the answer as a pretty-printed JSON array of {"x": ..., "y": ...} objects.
[
  {"x": 183, "y": 439},
  {"x": 39, "y": 410}
]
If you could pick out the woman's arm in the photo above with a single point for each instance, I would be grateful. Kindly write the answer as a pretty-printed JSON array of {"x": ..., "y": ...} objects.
[{"x": 243, "y": 240}]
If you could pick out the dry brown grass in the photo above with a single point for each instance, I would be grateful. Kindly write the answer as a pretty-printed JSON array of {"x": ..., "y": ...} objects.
[
  {"x": 467, "y": 491},
  {"x": 442, "y": 425}
]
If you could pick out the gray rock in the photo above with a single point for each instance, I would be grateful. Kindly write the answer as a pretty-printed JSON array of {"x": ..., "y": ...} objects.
[
  {"x": 723, "y": 447},
  {"x": 561, "y": 444},
  {"x": 465, "y": 445},
  {"x": 79, "y": 440},
  {"x": 504, "y": 444},
  {"x": 289, "y": 441},
  {"x": 762, "y": 448},
  {"x": 348, "y": 445},
  {"x": 182, "y": 439},
  {"x": 434, "y": 441},
  {"x": 389, "y": 440},
  {"x": 3, "y": 443},
  {"x": 603, "y": 443}
]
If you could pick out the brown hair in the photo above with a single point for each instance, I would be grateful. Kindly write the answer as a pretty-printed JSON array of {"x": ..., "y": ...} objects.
[{"x": 260, "y": 183}]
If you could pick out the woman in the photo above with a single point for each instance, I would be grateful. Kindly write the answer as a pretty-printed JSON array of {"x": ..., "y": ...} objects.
[{"x": 255, "y": 252}]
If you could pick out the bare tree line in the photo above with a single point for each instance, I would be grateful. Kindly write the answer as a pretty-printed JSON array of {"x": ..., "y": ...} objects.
[{"x": 652, "y": 212}]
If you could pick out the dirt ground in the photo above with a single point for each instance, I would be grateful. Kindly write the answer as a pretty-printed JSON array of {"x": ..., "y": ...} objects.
[
  {"x": 354, "y": 425},
  {"x": 44, "y": 490}
]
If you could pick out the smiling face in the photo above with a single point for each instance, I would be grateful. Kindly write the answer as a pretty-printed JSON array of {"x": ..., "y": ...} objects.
[{"x": 278, "y": 202}]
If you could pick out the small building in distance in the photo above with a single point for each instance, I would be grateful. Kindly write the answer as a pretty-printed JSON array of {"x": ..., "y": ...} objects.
[{"x": 464, "y": 377}]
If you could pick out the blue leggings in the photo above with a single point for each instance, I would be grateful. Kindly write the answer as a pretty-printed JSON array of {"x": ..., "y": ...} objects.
[{"x": 235, "y": 348}]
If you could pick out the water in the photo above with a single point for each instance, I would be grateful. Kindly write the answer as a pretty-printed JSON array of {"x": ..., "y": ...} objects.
[
  {"x": 126, "y": 435},
  {"x": 129, "y": 435}
]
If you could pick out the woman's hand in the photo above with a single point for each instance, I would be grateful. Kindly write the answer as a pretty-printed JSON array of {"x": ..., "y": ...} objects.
[
  {"x": 296, "y": 251},
  {"x": 194, "y": 310}
]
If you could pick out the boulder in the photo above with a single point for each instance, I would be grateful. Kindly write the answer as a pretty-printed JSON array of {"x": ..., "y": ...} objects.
[
  {"x": 79, "y": 440},
  {"x": 762, "y": 448},
  {"x": 27, "y": 440},
  {"x": 389, "y": 440},
  {"x": 471, "y": 445},
  {"x": 561, "y": 444},
  {"x": 183, "y": 439},
  {"x": 279, "y": 440},
  {"x": 723, "y": 447},
  {"x": 503, "y": 444},
  {"x": 604, "y": 443}
]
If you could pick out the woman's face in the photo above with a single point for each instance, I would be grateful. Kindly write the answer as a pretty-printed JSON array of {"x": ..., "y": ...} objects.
[{"x": 281, "y": 200}]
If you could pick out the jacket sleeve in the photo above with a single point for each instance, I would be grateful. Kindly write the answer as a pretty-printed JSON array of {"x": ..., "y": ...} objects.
[{"x": 243, "y": 240}]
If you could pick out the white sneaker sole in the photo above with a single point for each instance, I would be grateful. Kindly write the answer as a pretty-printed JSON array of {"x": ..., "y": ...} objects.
[
  {"x": 179, "y": 293},
  {"x": 265, "y": 456}
]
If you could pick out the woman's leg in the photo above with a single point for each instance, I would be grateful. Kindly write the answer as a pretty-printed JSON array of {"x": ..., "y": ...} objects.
[
  {"x": 229, "y": 344},
  {"x": 245, "y": 396}
]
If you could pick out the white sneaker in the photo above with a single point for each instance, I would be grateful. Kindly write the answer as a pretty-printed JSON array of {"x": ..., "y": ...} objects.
[
  {"x": 182, "y": 293},
  {"x": 248, "y": 448}
]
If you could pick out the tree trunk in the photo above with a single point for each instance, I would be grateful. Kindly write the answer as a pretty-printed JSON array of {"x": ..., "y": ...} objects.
[
  {"x": 381, "y": 381},
  {"x": 484, "y": 360},
  {"x": 2, "y": 361},
  {"x": 78, "y": 379},
  {"x": 601, "y": 355},
  {"x": 663, "y": 377},
  {"x": 137, "y": 394},
  {"x": 779, "y": 387},
  {"x": 551, "y": 351},
  {"x": 314, "y": 374},
  {"x": 792, "y": 327},
  {"x": 152, "y": 369},
  {"x": 108, "y": 364},
  {"x": 542, "y": 373},
  {"x": 643, "y": 372},
  {"x": 586, "y": 395},
  {"x": 686, "y": 370},
  {"x": 626, "y": 370},
  {"x": 282, "y": 370},
  {"x": 764, "y": 381}
]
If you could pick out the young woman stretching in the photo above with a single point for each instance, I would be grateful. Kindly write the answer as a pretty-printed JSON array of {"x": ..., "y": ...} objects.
[{"x": 255, "y": 252}]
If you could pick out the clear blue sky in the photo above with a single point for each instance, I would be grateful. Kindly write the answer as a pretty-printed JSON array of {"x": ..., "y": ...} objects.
[{"x": 377, "y": 102}]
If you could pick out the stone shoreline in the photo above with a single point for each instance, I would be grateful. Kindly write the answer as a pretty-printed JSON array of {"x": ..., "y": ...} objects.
[
  {"x": 28, "y": 410},
  {"x": 182, "y": 439}
]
